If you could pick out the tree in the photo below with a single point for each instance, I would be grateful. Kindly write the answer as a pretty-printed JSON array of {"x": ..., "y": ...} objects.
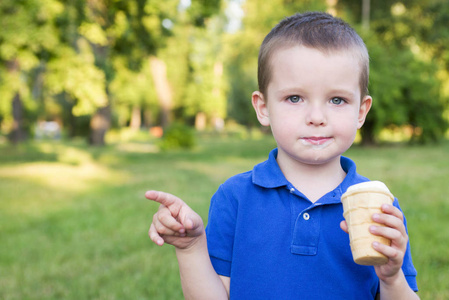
[
  {"x": 141, "y": 48},
  {"x": 75, "y": 76},
  {"x": 118, "y": 62},
  {"x": 406, "y": 78},
  {"x": 405, "y": 92},
  {"x": 27, "y": 35},
  {"x": 191, "y": 57},
  {"x": 142, "y": 35},
  {"x": 121, "y": 36},
  {"x": 205, "y": 97}
]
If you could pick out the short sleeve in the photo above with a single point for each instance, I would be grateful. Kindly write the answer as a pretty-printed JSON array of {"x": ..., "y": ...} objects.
[{"x": 220, "y": 232}]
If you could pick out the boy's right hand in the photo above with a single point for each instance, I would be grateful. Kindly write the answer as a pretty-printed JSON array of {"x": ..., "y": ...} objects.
[{"x": 175, "y": 222}]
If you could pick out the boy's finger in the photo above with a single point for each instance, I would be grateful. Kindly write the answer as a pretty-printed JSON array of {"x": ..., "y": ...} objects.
[
  {"x": 392, "y": 253},
  {"x": 393, "y": 210},
  {"x": 164, "y": 231},
  {"x": 189, "y": 223},
  {"x": 391, "y": 221},
  {"x": 192, "y": 222},
  {"x": 154, "y": 236},
  {"x": 344, "y": 226},
  {"x": 163, "y": 198},
  {"x": 387, "y": 232},
  {"x": 168, "y": 221}
]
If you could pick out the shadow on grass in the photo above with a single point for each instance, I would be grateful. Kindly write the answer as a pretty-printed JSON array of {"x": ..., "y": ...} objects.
[{"x": 26, "y": 152}]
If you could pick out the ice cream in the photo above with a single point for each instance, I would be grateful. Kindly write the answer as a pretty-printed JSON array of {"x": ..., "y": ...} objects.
[{"x": 360, "y": 202}]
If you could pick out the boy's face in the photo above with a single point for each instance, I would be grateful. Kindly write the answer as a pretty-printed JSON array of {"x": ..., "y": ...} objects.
[{"x": 312, "y": 104}]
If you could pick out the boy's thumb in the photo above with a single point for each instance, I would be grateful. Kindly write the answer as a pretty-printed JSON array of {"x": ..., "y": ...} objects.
[{"x": 188, "y": 223}]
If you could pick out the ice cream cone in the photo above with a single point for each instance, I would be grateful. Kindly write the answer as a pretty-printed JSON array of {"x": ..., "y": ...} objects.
[{"x": 360, "y": 202}]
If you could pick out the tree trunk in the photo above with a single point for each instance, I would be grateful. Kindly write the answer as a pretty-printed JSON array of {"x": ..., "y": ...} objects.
[
  {"x": 200, "y": 121},
  {"x": 136, "y": 119},
  {"x": 101, "y": 121},
  {"x": 71, "y": 122},
  {"x": 99, "y": 125},
  {"x": 332, "y": 7},
  {"x": 147, "y": 118},
  {"x": 365, "y": 14},
  {"x": 163, "y": 90},
  {"x": 17, "y": 133},
  {"x": 368, "y": 133}
]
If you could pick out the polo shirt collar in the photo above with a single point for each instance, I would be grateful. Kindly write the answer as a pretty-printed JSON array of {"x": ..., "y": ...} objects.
[
  {"x": 351, "y": 176},
  {"x": 268, "y": 174}
]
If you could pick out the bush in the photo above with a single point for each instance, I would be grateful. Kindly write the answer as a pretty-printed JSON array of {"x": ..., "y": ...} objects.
[{"x": 178, "y": 136}]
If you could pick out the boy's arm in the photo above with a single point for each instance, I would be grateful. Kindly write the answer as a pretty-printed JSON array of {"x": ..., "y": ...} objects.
[
  {"x": 177, "y": 224},
  {"x": 198, "y": 277},
  {"x": 396, "y": 288},
  {"x": 393, "y": 284}
]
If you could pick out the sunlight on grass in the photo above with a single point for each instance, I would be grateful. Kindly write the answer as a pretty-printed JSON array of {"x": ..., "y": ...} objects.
[
  {"x": 57, "y": 176},
  {"x": 40, "y": 187},
  {"x": 138, "y": 148}
]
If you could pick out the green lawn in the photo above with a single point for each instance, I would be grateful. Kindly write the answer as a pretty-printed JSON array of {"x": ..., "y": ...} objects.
[{"x": 74, "y": 220}]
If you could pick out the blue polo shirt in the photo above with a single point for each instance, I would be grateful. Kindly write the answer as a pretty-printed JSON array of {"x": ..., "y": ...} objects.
[{"x": 274, "y": 243}]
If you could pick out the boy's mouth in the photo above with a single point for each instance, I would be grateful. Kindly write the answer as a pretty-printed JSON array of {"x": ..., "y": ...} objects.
[{"x": 316, "y": 140}]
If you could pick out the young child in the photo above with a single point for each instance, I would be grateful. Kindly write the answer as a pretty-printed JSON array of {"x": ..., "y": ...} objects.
[{"x": 277, "y": 232}]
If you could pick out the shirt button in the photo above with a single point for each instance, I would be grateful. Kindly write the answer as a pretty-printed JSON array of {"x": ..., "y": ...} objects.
[
  {"x": 306, "y": 216},
  {"x": 292, "y": 190}
]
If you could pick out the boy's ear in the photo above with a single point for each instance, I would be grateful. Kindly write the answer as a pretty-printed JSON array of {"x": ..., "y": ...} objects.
[
  {"x": 260, "y": 106},
  {"x": 364, "y": 109}
]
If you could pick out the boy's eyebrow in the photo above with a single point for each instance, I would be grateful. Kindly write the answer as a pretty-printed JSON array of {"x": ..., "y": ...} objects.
[
  {"x": 343, "y": 92},
  {"x": 299, "y": 90},
  {"x": 290, "y": 91},
  {"x": 295, "y": 89}
]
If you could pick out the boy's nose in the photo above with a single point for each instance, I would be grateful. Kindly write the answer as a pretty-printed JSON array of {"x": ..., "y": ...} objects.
[{"x": 315, "y": 116}]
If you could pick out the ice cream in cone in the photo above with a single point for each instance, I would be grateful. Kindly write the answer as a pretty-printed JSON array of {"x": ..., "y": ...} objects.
[{"x": 360, "y": 202}]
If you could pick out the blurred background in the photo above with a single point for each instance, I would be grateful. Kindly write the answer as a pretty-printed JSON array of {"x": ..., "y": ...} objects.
[
  {"x": 101, "y": 100},
  {"x": 84, "y": 68}
]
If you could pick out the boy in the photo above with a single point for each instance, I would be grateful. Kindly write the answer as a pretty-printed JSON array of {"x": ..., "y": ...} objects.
[{"x": 276, "y": 232}]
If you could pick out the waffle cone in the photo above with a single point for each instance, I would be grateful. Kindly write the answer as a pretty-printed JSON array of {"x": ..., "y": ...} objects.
[{"x": 359, "y": 204}]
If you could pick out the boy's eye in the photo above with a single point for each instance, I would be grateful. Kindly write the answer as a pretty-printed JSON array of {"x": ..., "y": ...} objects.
[
  {"x": 337, "y": 100},
  {"x": 294, "y": 99}
]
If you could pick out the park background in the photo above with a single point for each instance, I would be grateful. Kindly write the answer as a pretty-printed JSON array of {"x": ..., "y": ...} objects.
[{"x": 102, "y": 100}]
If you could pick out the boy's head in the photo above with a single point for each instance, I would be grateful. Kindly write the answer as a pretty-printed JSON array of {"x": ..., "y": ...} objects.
[{"x": 316, "y": 30}]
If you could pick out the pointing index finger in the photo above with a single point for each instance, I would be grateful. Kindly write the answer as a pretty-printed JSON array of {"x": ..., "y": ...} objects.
[{"x": 163, "y": 198}]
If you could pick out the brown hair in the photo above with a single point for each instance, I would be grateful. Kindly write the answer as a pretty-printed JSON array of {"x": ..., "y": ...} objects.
[{"x": 316, "y": 30}]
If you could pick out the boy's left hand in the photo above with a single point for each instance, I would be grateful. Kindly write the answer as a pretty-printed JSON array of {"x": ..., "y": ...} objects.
[{"x": 394, "y": 229}]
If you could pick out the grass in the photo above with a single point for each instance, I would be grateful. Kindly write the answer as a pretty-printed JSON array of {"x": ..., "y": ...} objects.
[{"x": 74, "y": 221}]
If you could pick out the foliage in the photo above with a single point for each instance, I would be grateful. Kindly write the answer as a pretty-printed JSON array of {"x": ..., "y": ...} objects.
[
  {"x": 28, "y": 33},
  {"x": 412, "y": 98},
  {"x": 414, "y": 67},
  {"x": 195, "y": 64},
  {"x": 177, "y": 136},
  {"x": 68, "y": 60},
  {"x": 205, "y": 92},
  {"x": 79, "y": 78},
  {"x": 131, "y": 88}
]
